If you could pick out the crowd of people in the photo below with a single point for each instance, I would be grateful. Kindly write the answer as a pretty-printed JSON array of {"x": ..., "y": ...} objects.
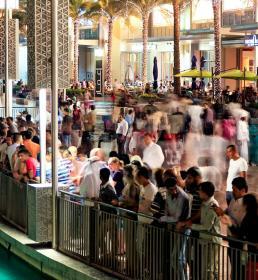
[{"x": 166, "y": 165}]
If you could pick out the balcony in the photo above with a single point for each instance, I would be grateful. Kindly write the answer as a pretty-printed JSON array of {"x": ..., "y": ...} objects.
[
  {"x": 89, "y": 34},
  {"x": 162, "y": 32},
  {"x": 239, "y": 17}
]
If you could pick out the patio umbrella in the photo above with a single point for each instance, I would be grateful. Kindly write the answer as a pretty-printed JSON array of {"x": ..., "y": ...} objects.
[
  {"x": 195, "y": 73},
  {"x": 155, "y": 73},
  {"x": 236, "y": 74}
]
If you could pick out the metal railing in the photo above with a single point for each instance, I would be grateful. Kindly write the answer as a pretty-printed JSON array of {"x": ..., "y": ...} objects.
[
  {"x": 89, "y": 34},
  {"x": 129, "y": 246},
  {"x": 33, "y": 111},
  {"x": 13, "y": 201}
]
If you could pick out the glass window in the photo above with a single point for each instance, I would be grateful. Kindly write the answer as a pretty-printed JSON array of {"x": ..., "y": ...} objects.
[
  {"x": 185, "y": 19},
  {"x": 229, "y": 5},
  {"x": 202, "y": 10}
]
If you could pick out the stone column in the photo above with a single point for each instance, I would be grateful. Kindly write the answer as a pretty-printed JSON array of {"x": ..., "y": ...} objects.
[
  {"x": 13, "y": 46},
  {"x": 39, "y": 43}
]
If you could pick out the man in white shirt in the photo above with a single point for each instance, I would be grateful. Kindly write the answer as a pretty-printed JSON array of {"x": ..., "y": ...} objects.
[
  {"x": 121, "y": 132},
  {"x": 236, "y": 210},
  {"x": 152, "y": 154},
  {"x": 148, "y": 190},
  {"x": 90, "y": 182},
  {"x": 237, "y": 168}
]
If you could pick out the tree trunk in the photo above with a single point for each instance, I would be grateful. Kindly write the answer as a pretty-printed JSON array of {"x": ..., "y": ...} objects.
[
  {"x": 145, "y": 23},
  {"x": 109, "y": 52},
  {"x": 217, "y": 40},
  {"x": 76, "y": 51},
  {"x": 177, "y": 85}
]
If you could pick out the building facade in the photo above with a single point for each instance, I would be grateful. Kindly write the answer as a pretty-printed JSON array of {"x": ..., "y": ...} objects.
[{"x": 238, "y": 21}]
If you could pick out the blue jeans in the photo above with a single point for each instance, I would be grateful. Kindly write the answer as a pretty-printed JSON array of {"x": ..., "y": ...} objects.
[
  {"x": 182, "y": 255},
  {"x": 229, "y": 196},
  {"x": 67, "y": 140}
]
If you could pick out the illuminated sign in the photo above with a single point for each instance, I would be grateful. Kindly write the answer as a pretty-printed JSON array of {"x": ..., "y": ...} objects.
[{"x": 251, "y": 40}]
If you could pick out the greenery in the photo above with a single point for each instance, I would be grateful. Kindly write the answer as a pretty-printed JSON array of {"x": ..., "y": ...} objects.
[{"x": 74, "y": 92}]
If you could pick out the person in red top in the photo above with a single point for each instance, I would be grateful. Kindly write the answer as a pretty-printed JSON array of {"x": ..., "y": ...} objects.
[
  {"x": 32, "y": 147},
  {"x": 30, "y": 163}
]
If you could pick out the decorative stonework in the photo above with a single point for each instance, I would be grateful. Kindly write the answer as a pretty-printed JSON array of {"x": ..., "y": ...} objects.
[
  {"x": 39, "y": 43},
  {"x": 12, "y": 48}
]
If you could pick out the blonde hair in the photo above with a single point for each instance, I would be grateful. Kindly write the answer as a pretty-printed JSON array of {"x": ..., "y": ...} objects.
[{"x": 116, "y": 160}]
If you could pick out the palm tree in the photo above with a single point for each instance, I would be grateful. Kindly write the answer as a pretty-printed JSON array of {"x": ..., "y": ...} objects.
[
  {"x": 21, "y": 15},
  {"x": 76, "y": 10},
  {"x": 144, "y": 8},
  {"x": 216, "y": 4},
  {"x": 176, "y": 8},
  {"x": 111, "y": 10}
]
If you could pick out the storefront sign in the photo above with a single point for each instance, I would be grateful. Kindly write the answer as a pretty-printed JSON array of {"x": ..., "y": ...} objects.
[
  {"x": 251, "y": 40},
  {"x": 98, "y": 76}
]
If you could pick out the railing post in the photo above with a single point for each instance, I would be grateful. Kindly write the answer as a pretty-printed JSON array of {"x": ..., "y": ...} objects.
[{"x": 54, "y": 116}]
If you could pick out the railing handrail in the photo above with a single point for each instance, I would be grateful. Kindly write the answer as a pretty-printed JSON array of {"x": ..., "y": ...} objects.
[{"x": 118, "y": 209}]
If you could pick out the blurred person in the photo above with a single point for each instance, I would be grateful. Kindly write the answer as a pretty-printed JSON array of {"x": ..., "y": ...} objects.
[
  {"x": 30, "y": 166},
  {"x": 242, "y": 134},
  {"x": 35, "y": 137},
  {"x": 177, "y": 209},
  {"x": 210, "y": 172},
  {"x": 4, "y": 163},
  {"x": 16, "y": 142},
  {"x": 247, "y": 231},
  {"x": 129, "y": 117},
  {"x": 121, "y": 132},
  {"x": 235, "y": 212},
  {"x": 12, "y": 125},
  {"x": 228, "y": 127},
  {"x": 208, "y": 227},
  {"x": 177, "y": 206},
  {"x": 148, "y": 190},
  {"x": 108, "y": 228},
  {"x": 208, "y": 119},
  {"x": 29, "y": 121},
  {"x": 32, "y": 147},
  {"x": 115, "y": 167},
  {"x": 90, "y": 181},
  {"x": 90, "y": 119},
  {"x": 64, "y": 166},
  {"x": 195, "y": 112},
  {"x": 131, "y": 191},
  {"x": 237, "y": 168},
  {"x": 152, "y": 154},
  {"x": 49, "y": 139},
  {"x": 66, "y": 128},
  {"x": 107, "y": 193}
]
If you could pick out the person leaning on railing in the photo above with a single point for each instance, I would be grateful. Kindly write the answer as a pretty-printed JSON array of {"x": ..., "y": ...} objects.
[
  {"x": 25, "y": 167},
  {"x": 246, "y": 231}
]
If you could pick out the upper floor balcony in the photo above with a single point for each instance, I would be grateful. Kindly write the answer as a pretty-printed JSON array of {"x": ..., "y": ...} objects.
[
  {"x": 89, "y": 33},
  {"x": 238, "y": 17}
]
